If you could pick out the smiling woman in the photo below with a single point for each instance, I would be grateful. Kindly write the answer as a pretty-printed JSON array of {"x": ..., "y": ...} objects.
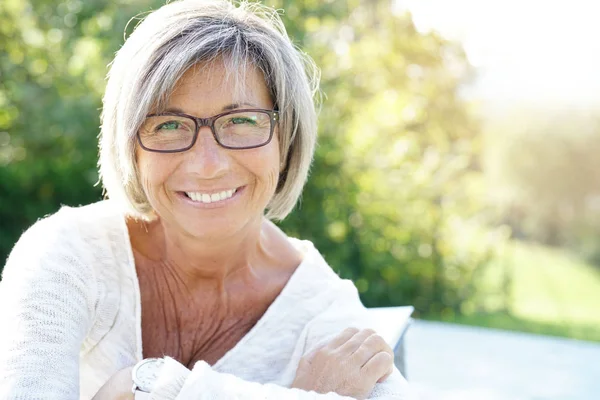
[
  {"x": 179, "y": 284},
  {"x": 236, "y": 150}
]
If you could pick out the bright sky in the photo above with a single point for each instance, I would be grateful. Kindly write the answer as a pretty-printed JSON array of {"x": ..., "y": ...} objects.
[{"x": 524, "y": 49}]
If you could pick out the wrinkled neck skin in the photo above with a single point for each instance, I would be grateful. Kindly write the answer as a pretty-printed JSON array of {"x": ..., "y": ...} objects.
[{"x": 212, "y": 263}]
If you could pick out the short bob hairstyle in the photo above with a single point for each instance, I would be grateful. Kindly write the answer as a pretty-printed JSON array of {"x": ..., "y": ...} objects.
[{"x": 174, "y": 38}]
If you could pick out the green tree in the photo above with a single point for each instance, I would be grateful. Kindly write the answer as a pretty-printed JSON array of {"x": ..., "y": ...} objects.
[{"x": 393, "y": 198}]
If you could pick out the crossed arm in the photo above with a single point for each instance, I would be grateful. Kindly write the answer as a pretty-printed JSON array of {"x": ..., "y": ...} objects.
[
  {"x": 47, "y": 311},
  {"x": 355, "y": 363}
]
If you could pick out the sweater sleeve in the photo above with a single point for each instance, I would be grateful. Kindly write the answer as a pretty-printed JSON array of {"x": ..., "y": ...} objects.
[
  {"x": 346, "y": 310},
  {"x": 46, "y": 310},
  {"x": 203, "y": 383}
]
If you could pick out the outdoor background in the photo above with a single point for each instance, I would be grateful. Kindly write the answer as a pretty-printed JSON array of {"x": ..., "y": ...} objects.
[{"x": 459, "y": 160}]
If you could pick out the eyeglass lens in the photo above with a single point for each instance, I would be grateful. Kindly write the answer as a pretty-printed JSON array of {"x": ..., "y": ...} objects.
[{"x": 236, "y": 130}]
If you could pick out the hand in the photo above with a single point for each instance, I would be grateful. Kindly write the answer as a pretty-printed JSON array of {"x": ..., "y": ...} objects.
[
  {"x": 350, "y": 365},
  {"x": 118, "y": 387}
]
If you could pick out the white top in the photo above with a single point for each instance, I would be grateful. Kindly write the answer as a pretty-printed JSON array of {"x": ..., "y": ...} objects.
[{"x": 70, "y": 317}]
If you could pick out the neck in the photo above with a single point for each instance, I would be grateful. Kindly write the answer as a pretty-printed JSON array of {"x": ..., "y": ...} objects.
[{"x": 201, "y": 260}]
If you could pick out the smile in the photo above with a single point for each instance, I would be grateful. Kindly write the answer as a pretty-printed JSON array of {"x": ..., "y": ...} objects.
[{"x": 208, "y": 198}]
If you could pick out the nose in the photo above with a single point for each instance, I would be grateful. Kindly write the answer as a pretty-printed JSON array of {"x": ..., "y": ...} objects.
[{"x": 207, "y": 159}]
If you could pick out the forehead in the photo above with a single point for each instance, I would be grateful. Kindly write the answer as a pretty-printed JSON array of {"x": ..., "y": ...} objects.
[{"x": 207, "y": 87}]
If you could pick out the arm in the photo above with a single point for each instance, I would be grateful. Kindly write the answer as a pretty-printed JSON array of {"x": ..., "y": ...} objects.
[
  {"x": 349, "y": 365},
  {"x": 177, "y": 382},
  {"x": 45, "y": 315}
]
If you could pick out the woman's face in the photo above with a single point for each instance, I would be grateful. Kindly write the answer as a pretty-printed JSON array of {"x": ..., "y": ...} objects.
[{"x": 177, "y": 183}]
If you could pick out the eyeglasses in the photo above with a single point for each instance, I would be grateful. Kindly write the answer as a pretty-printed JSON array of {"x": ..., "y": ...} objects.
[{"x": 237, "y": 129}]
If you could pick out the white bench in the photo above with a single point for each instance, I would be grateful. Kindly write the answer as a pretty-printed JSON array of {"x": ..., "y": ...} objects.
[{"x": 392, "y": 323}]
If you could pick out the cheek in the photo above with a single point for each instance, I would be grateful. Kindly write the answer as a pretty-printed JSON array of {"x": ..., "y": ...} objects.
[
  {"x": 145, "y": 179},
  {"x": 274, "y": 166},
  {"x": 264, "y": 166},
  {"x": 273, "y": 179},
  {"x": 142, "y": 165},
  {"x": 151, "y": 171}
]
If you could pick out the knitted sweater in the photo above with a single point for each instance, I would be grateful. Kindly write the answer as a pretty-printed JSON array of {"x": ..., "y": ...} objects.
[{"x": 70, "y": 317}]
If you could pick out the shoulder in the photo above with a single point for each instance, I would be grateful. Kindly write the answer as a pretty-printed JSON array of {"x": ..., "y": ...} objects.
[
  {"x": 314, "y": 286},
  {"x": 70, "y": 221},
  {"x": 76, "y": 223},
  {"x": 328, "y": 302},
  {"x": 315, "y": 282},
  {"x": 56, "y": 297},
  {"x": 84, "y": 221},
  {"x": 77, "y": 255},
  {"x": 314, "y": 266},
  {"x": 310, "y": 266},
  {"x": 72, "y": 235}
]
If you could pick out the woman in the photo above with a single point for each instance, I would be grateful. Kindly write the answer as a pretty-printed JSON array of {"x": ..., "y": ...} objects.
[{"x": 179, "y": 284}]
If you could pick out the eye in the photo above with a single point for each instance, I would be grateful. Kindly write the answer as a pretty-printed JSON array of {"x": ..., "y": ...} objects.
[
  {"x": 243, "y": 120},
  {"x": 169, "y": 126}
]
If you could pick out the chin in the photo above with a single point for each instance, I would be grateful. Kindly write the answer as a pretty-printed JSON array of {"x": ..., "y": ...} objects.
[{"x": 212, "y": 226}]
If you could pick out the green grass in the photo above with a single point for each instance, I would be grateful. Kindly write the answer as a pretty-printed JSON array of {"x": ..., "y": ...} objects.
[
  {"x": 552, "y": 292},
  {"x": 506, "y": 321}
]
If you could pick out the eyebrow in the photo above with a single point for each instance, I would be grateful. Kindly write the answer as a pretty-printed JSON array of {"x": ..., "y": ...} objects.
[
  {"x": 238, "y": 105},
  {"x": 228, "y": 107}
]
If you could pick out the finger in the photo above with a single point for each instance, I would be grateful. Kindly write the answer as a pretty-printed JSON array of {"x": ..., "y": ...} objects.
[
  {"x": 372, "y": 345},
  {"x": 342, "y": 338},
  {"x": 378, "y": 366},
  {"x": 387, "y": 375},
  {"x": 356, "y": 341}
]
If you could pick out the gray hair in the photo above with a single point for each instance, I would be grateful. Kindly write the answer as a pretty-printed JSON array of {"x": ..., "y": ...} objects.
[{"x": 174, "y": 38}]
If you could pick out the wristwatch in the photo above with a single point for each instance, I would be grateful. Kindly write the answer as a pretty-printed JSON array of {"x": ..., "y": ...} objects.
[{"x": 144, "y": 376}]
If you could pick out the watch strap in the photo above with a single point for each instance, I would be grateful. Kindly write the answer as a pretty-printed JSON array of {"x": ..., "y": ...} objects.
[{"x": 139, "y": 395}]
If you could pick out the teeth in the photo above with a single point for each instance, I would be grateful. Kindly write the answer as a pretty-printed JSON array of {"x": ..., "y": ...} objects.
[{"x": 210, "y": 198}]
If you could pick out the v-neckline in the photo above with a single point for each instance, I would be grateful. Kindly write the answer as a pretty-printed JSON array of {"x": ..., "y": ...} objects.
[{"x": 247, "y": 337}]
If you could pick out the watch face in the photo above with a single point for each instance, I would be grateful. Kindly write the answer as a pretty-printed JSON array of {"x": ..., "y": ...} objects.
[{"x": 145, "y": 373}]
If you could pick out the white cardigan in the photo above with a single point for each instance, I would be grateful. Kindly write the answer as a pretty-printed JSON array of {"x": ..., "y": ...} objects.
[{"x": 70, "y": 318}]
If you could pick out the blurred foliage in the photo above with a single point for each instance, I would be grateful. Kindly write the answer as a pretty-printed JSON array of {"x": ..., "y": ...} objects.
[
  {"x": 543, "y": 168},
  {"x": 394, "y": 199}
]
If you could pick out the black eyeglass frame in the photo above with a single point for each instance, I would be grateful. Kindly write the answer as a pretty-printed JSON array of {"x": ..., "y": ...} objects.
[{"x": 210, "y": 122}]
